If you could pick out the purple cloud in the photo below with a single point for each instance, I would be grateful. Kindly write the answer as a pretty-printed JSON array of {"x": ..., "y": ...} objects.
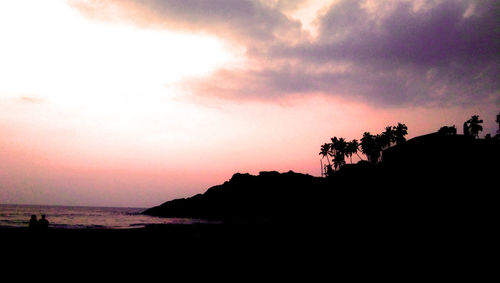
[
  {"x": 243, "y": 20},
  {"x": 429, "y": 56},
  {"x": 443, "y": 53}
]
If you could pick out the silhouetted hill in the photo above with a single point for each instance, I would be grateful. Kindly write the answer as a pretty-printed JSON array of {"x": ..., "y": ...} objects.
[
  {"x": 267, "y": 196},
  {"x": 432, "y": 181},
  {"x": 455, "y": 152}
]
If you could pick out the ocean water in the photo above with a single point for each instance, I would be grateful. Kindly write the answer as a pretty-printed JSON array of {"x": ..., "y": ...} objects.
[{"x": 78, "y": 217}]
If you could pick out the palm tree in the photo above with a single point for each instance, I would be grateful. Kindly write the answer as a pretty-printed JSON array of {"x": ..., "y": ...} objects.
[
  {"x": 369, "y": 147},
  {"x": 400, "y": 131},
  {"x": 352, "y": 148},
  {"x": 349, "y": 151},
  {"x": 337, "y": 151},
  {"x": 365, "y": 142},
  {"x": 325, "y": 149},
  {"x": 387, "y": 137},
  {"x": 332, "y": 152},
  {"x": 341, "y": 146},
  {"x": 338, "y": 161},
  {"x": 355, "y": 147},
  {"x": 474, "y": 126},
  {"x": 379, "y": 146}
]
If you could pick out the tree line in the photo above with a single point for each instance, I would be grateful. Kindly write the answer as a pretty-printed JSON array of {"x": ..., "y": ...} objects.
[
  {"x": 472, "y": 127},
  {"x": 338, "y": 150},
  {"x": 370, "y": 145}
]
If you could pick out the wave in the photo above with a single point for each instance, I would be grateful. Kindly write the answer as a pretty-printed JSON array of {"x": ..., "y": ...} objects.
[{"x": 70, "y": 217}]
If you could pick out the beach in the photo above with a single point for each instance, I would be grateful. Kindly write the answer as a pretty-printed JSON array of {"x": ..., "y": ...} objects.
[
  {"x": 249, "y": 250},
  {"x": 194, "y": 246},
  {"x": 235, "y": 236}
]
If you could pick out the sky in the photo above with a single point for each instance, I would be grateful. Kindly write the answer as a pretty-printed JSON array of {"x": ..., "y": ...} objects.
[{"x": 134, "y": 103}]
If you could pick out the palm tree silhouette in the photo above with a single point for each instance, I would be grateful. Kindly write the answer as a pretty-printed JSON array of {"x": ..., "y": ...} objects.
[
  {"x": 369, "y": 146},
  {"x": 474, "y": 126},
  {"x": 352, "y": 148},
  {"x": 333, "y": 151},
  {"x": 325, "y": 152},
  {"x": 355, "y": 146},
  {"x": 338, "y": 150},
  {"x": 400, "y": 131},
  {"x": 379, "y": 146},
  {"x": 325, "y": 149},
  {"x": 387, "y": 137}
]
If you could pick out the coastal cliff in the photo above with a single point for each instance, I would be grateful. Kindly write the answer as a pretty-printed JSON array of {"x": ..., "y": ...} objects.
[
  {"x": 269, "y": 195},
  {"x": 423, "y": 180}
]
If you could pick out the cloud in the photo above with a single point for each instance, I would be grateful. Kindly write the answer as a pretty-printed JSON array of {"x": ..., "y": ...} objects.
[
  {"x": 390, "y": 53},
  {"x": 432, "y": 37},
  {"x": 32, "y": 99},
  {"x": 244, "y": 20}
]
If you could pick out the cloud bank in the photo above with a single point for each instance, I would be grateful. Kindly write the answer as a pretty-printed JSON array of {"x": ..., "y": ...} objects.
[{"x": 390, "y": 54}]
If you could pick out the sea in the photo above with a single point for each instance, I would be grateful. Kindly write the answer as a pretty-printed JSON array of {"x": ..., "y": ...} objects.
[{"x": 84, "y": 217}]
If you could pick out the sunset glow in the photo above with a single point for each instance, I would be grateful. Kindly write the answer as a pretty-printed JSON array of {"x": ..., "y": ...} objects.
[
  {"x": 49, "y": 51},
  {"x": 132, "y": 103}
]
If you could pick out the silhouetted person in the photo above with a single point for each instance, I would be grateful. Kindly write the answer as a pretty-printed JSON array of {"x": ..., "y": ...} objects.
[
  {"x": 33, "y": 224},
  {"x": 43, "y": 223}
]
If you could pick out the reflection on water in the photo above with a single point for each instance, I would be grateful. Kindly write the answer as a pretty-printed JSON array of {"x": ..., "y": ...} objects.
[{"x": 74, "y": 217}]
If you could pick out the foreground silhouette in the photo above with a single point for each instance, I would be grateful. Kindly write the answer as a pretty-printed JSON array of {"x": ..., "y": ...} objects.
[
  {"x": 43, "y": 223},
  {"x": 38, "y": 225},
  {"x": 436, "y": 183},
  {"x": 430, "y": 202},
  {"x": 268, "y": 196},
  {"x": 33, "y": 223}
]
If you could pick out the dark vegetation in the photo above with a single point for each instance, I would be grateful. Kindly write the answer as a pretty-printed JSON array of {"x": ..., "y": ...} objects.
[
  {"x": 371, "y": 145},
  {"x": 426, "y": 202},
  {"x": 435, "y": 180}
]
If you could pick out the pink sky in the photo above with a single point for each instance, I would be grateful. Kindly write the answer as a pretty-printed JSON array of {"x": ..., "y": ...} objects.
[{"x": 135, "y": 103}]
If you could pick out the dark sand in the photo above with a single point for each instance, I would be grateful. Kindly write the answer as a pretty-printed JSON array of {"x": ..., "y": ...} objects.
[
  {"x": 238, "y": 237},
  {"x": 214, "y": 246},
  {"x": 169, "y": 236},
  {"x": 307, "y": 251},
  {"x": 267, "y": 242}
]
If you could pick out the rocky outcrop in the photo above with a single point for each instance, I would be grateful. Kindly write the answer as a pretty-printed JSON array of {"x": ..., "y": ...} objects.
[{"x": 269, "y": 195}]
